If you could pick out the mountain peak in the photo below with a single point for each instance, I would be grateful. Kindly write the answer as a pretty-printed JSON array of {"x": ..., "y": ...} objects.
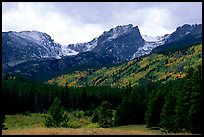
[
  {"x": 123, "y": 27},
  {"x": 24, "y": 46},
  {"x": 119, "y": 29},
  {"x": 34, "y": 35},
  {"x": 121, "y": 41},
  {"x": 184, "y": 30}
]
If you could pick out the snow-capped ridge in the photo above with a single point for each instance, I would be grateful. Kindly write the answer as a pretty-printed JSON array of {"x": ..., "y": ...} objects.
[
  {"x": 83, "y": 47},
  {"x": 40, "y": 43},
  {"x": 114, "y": 33},
  {"x": 35, "y": 36},
  {"x": 90, "y": 46},
  {"x": 119, "y": 41},
  {"x": 123, "y": 41},
  {"x": 151, "y": 42}
]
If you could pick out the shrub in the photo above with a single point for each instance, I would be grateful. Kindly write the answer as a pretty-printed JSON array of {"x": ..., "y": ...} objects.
[
  {"x": 79, "y": 114},
  {"x": 74, "y": 124},
  {"x": 88, "y": 113},
  {"x": 92, "y": 125},
  {"x": 84, "y": 122}
]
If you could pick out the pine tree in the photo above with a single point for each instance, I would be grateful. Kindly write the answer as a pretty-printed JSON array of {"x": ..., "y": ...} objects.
[
  {"x": 56, "y": 116},
  {"x": 105, "y": 115},
  {"x": 168, "y": 113},
  {"x": 121, "y": 117},
  {"x": 84, "y": 100},
  {"x": 131, "y": 110},
  {"x": 154, "y": 106},
  {"x": 195, "y": 111},
  {"x": 183, "y": 102}
]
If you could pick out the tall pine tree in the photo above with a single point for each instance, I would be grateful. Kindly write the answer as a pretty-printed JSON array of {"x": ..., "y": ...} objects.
[
  {"x": 105, "y": 115},
  {"x": 195, "y": 111},
  {"x": 56, "y": 116},
  {"x": 168, "y": 113}
]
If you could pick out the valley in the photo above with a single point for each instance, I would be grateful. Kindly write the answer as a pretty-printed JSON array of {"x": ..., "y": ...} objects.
[
  {"x": 24, "y": 125},
  {"x": 102, "y": 68},
  {"x": 119, "y": 83}
]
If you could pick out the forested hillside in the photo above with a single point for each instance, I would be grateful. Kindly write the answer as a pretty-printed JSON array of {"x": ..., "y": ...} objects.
[{"x": 154, "y": 67}]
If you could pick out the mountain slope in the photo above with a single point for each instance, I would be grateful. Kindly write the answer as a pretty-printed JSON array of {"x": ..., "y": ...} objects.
[
  {"x": 150, "y": 44},
  {"x": 48, "y": 68},
  {"x": 185, "y": 30},
  {"x": 155, "y": 67},
  {"x": 184, "y": 37},
  {"x": 19, "y": 47},
  {"x": 83, "y": 47}
]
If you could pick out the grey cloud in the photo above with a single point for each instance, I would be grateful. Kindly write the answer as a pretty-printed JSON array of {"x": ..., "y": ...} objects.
[
  {"x": 8, "y": 6},
  {"x": 110, "y": 14},
  {"x": 104, "y": 12}
]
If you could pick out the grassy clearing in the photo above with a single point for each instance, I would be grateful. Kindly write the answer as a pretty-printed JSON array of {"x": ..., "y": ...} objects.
[
  {"x": 71, "y": 131},
  {"x": 33, "y": 124},
  {"x": 142, "y": 130},
  {"x": 24, "y": 121},
  {"x": 20, "y": 121},
  {"x": 124, "y": 130}
]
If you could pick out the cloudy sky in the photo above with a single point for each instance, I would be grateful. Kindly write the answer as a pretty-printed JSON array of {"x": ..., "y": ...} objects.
[{"x": 76, "y": 22}]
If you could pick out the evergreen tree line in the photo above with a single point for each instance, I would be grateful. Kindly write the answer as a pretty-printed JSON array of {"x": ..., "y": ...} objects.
[
  {"x": 173, "y": 106},
  {"x": 21, "y": 96},
  {"x": 176, "y": 105}
]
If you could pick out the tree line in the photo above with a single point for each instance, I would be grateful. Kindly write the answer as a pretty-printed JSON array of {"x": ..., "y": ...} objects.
[{"x": 20, "y": 95}]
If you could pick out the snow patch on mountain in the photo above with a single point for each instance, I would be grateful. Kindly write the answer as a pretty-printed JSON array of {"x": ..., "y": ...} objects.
[
  {"x": 39, "y": 42},
  {"x": 118, "y": 31},
  {"x": 150, "y": 43},
  {"x": 83, "y": 47},
  {"x": 35, "y": 36},
  {"x": 90, "y": 46},
  {"x": 68, "y": 52},
  {"x": 150, "y": 38}
]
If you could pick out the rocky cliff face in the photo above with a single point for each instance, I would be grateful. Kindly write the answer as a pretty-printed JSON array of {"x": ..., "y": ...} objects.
[
  {"x": 121, "y": 42},
  {"x": 185, "y": 30},
  {"x": 83, "y": 47}
]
